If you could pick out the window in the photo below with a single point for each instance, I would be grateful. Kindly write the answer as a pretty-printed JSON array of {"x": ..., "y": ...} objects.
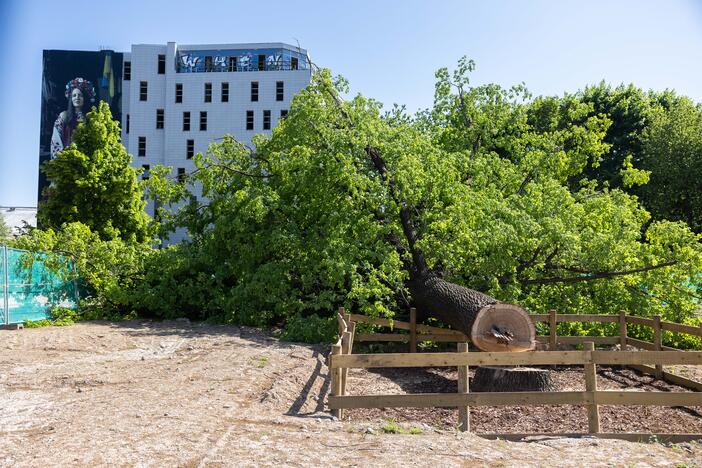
[
  {"x": 249, "y": 120},
  {"x": 145, "y": 174},
  {"x": 293, "y": 63},
  {"x": 203, "y": 121},
  {"x": 232, "y": 63},
  {"x": 127, "y": 129},
  {"x": 190, "y": 149},
  {"x": 181, "y": 173},
  {"x": 208, "y": 92},
  {"x": 283, "y": 113},
  {"x": 266, "y": 120},
  {"x": 186, "y": 121},
  {"x": 225, "y": 92},
  {"x": 161, "y": 64},
  {"x": 261, "y": 62},
  {"x": 279, "y": 90},
  {"x": 127, "y": 71},
  {"x": 159, "y": 119},
  {"x": 254, "y": 91},
  {"x": 143, "y": 90},
  {"x": 179, "y": 92},
  {"x": 142, "y": 146},
  {"x": 208, "y": 64}
]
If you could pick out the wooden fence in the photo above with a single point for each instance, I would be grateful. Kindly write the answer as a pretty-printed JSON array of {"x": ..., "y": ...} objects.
[
  {"x": 342, "y": 359},
  {"x": 417, "y": 333}
]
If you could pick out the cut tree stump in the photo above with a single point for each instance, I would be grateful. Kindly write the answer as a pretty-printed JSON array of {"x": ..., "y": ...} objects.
[
  {"x": 503, "y": 327},
  {"x": 511, "y": 379}
]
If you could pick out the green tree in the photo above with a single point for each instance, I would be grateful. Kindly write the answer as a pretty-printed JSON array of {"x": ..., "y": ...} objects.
[
  {"x": 672, "y": 151},
  {"x": 93, "y": 183}
]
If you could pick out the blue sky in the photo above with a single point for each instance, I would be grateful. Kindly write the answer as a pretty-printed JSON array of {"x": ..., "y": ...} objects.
[{"x": 388, "y": 50}]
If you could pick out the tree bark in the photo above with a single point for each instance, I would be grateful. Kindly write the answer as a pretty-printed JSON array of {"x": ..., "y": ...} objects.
[
  {"x": 511, "y": 379},
  {"x": 451, "y": 303}
]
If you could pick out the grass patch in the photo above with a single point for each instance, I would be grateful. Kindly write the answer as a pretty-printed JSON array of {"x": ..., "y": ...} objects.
[{"x": 392, "y": 427}]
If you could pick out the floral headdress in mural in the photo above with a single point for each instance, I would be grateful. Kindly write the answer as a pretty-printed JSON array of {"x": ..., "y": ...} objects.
[{"x": 85, "y": 86}]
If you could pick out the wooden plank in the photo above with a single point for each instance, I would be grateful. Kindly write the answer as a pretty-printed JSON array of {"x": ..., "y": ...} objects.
[
  {"x": 539, "y": 317},
  {"x": 680, "y": 328},
  {"x": 593, "y": 414},
  {"x": 335, "y": 379},
  {"x": 382, "y": 337},
  {"x": 463, "y": 411},
  {"x": 345, "y": 349},
  {"x": 340, "y": 319},
  {"x": 413, "y": 330},
  {"x": 397, "y": 324},
  {"x": 646, "y": 322},
  {"x": 352, "y": 330},
  {"x": 658, "y": 342},
  {"x": 380, "y": 321},
  {"x": 586, "y": 318},
  {"x": 584, "y": 339},
  {"x": 428, "y": 400},
  {"x": 648, "y": 398},
  {"x": 628, "y": 436},
  {"x": 622, "y": 330},
  {"x": 552, "y": 331},
  {"x": 542, "y": 339},
  {"x": 544, "y": 358},
  {"x": 646, "y": 357},
  {"x": 641, "y": 344},
  {"x": 405, "y": 338},
  {"x": 538, "y": 358}
]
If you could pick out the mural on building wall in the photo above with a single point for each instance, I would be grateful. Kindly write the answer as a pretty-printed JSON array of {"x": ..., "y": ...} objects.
[
  {"x": 72, "y": 83},
  {"x": 198, "y": 61}
]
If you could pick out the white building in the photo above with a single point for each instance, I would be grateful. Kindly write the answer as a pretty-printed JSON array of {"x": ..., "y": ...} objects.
[{"x": 177, "y": 99}]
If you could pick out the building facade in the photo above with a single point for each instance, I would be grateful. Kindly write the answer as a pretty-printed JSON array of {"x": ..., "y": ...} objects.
[{"x": 175, "y": 100}]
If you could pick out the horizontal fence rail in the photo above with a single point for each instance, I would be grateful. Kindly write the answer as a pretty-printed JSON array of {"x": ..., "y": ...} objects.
[{"x": 534, "y": 358}]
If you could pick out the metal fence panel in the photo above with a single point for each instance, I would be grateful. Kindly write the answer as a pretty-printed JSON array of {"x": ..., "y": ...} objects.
[{"x": 31, "y": 292}]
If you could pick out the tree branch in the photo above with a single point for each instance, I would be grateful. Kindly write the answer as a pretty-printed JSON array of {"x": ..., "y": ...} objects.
[{"x": 593, "y": 275}]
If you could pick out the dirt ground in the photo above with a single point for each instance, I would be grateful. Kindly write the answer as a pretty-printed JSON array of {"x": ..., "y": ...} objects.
[{"x": 180, "y": 394}]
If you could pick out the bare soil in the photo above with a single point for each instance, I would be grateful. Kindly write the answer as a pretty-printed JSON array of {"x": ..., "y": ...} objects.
[{"x": 145, "y": 393}]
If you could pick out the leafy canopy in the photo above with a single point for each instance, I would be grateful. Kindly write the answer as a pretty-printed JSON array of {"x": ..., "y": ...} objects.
[{"x": 495, "y": 184}]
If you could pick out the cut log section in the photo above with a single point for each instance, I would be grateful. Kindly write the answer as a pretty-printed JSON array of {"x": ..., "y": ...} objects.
[
  {"x": 503, "y": 327},
  {"x": 511, "y": 379}
]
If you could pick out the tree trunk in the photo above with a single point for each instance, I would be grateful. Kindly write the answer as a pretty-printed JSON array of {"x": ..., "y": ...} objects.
[
  {"x": 511, "y": 379},
  {"x": 499, "y": 327},
  {"x": 451, "y": 303}
]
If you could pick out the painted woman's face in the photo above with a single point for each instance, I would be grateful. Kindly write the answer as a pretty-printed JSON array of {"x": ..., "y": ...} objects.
[{"x": 77, "y": 98}]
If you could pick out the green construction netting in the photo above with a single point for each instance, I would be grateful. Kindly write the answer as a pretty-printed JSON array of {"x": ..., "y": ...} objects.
[{"x": 30, "y": 293}]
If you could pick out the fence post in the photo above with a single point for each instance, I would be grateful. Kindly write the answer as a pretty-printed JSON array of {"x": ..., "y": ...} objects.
[
  {"x": 413, "y": 330},
  {"x": 658, "y": 342},
  {"x": 6, "y": 289},
  {"x": 345, "y": 349},
  {"x": 553, "y": 336},
  {"x": 335, "y": 378},
  {"x": 593, "y": 414},
  {"x": 342, "y": 312},
  {"x": 463, "y": 411},
  {"x": 352, "y": 330},
  {"x": 622, "y": 330}
]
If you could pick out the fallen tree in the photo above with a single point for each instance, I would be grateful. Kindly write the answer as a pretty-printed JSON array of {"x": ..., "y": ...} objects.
[{"x": 345, "y": 206}]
